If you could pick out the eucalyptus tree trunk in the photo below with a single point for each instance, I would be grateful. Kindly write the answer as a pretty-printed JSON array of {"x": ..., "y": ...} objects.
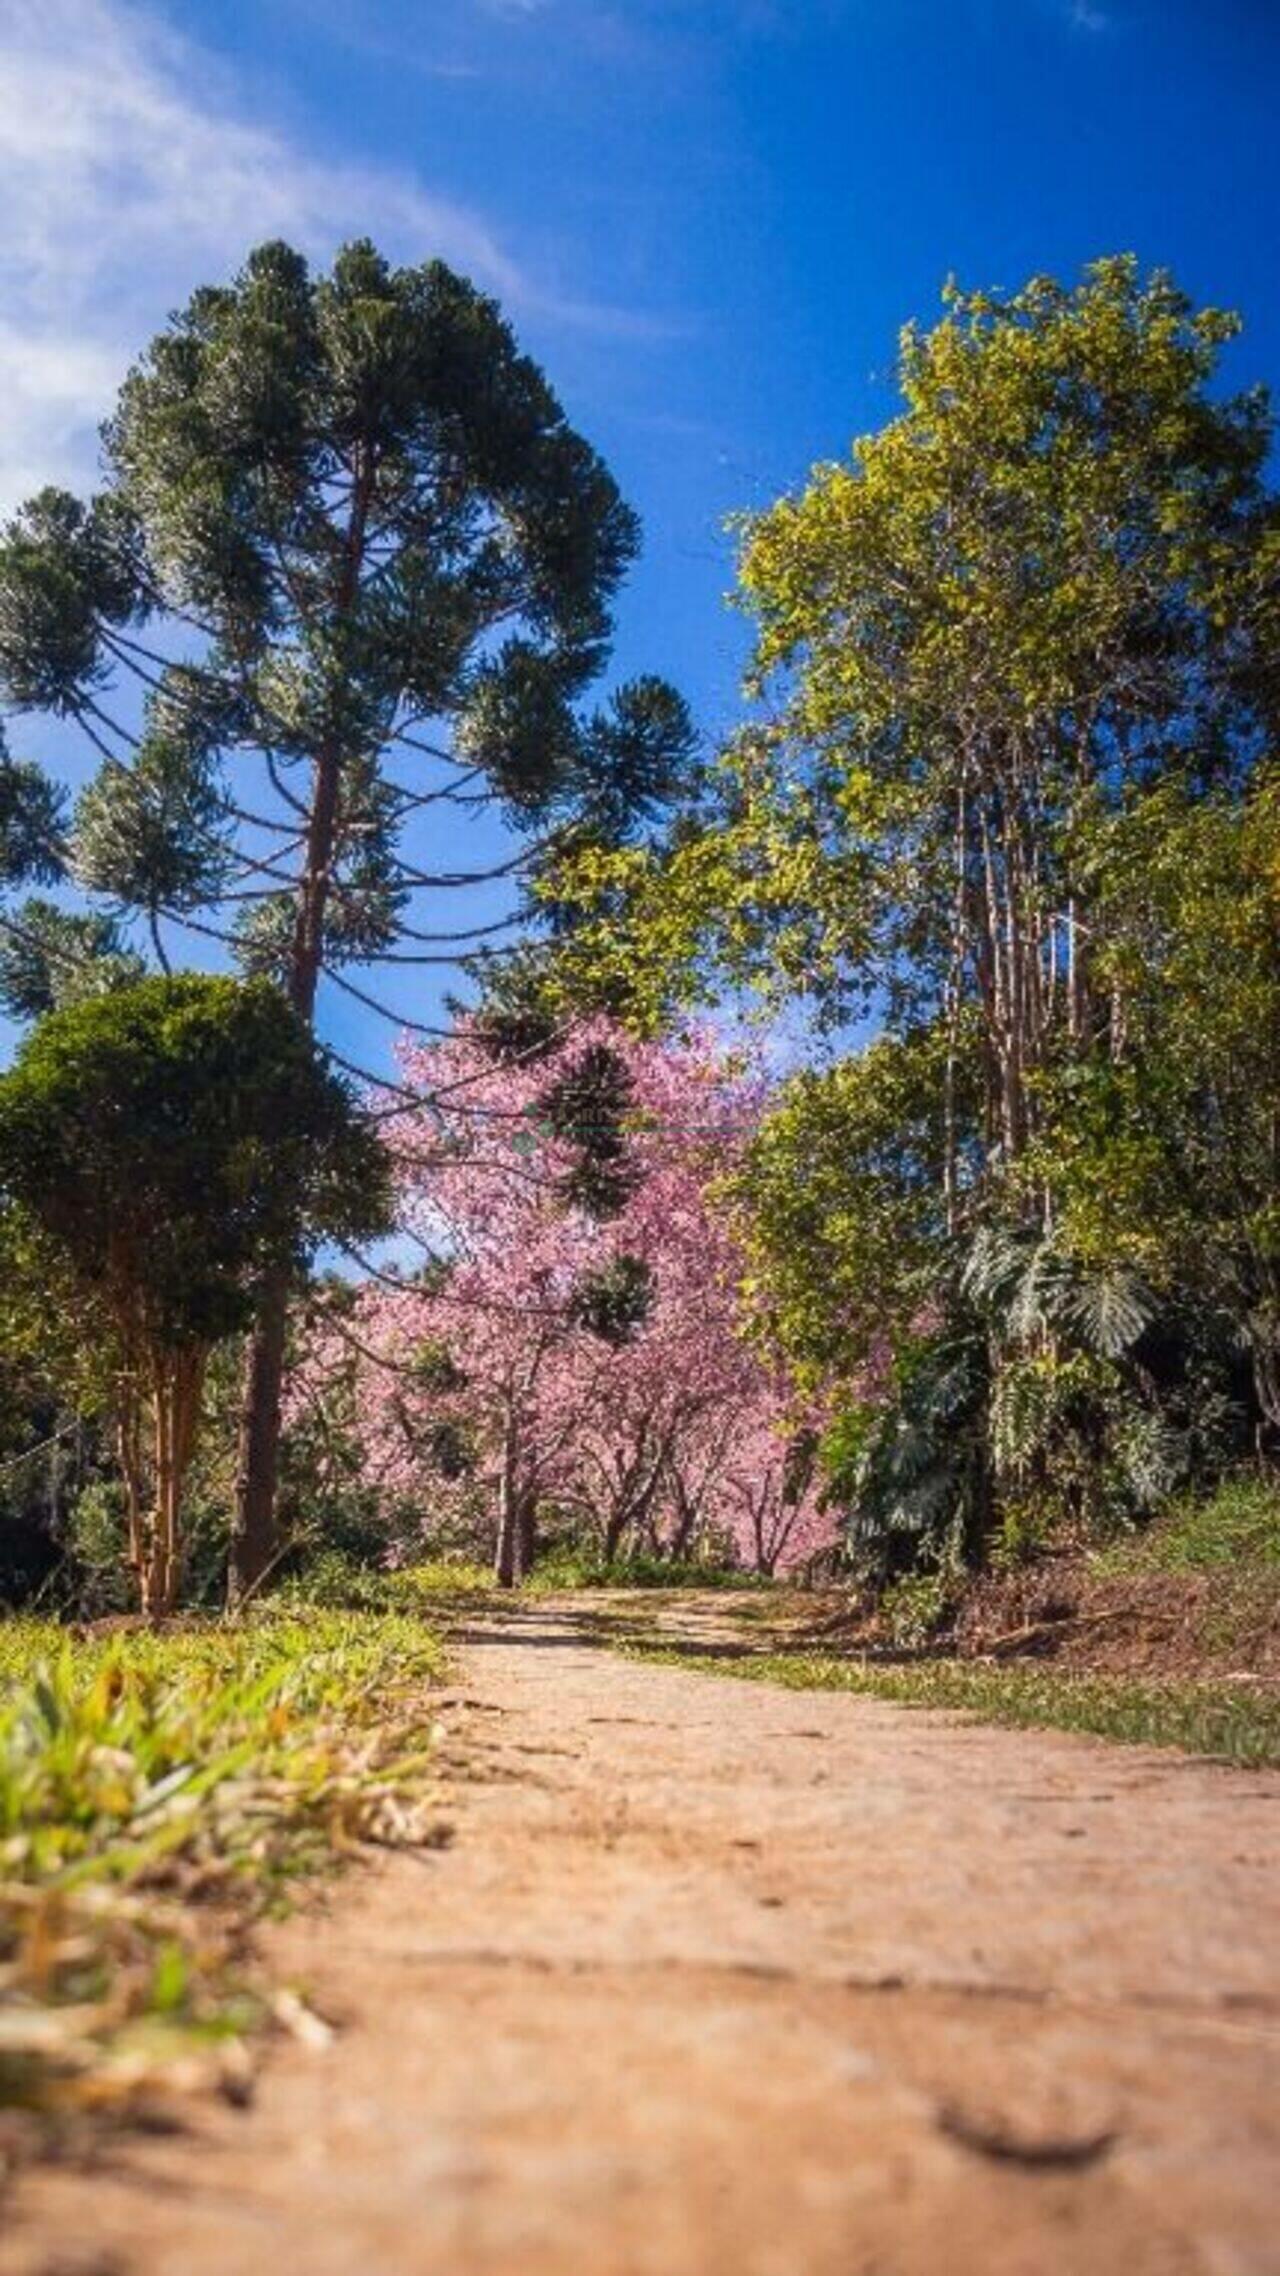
[{"x": 155, "y": 1476}]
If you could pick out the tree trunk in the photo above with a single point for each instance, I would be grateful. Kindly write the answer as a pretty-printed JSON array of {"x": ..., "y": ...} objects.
[
  {"x": 527, "y": 1534},
  {"x": 178, "y": 1378},
  {"x": 253, "y": 1521},
  {"x": 159, "y": 1572},
  {"x": 682, "y": 1531},
  {"x": 253, "y": 1534},
  {"x": 254, "y": 1538},
  {"x": 506, "y": 1556},
  {"x": 129, "y": 1451},
  {"x": 514, "y": 1549},
  {"x": 615, "y": 1526},
  {"x": 517, "y": 1538}
]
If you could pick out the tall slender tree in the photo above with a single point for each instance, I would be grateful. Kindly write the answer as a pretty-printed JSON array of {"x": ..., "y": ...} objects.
[
  {"x": 359, "y": 567},
  {"x": 1028, "y": 598}
]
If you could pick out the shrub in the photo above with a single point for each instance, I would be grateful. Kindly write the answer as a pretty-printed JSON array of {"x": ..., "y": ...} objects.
[{"x": 170, "y": 1144}]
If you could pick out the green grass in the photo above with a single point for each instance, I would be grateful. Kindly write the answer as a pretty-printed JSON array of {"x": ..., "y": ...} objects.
[
  {"x": 340, "y": 1584},
  {"x": 158, "y": 1790},
  {"x": 1230, "y": 1722},
  {"x": 1237, "y": 1526},
  {"x": 566, "y": 1569}
]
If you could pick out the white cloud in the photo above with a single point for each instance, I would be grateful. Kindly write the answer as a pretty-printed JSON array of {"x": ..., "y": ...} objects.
[{"x": 130, "y": 171}]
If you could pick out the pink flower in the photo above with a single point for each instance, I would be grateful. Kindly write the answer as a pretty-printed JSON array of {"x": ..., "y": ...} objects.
[{"x": 674, "y": 1434}]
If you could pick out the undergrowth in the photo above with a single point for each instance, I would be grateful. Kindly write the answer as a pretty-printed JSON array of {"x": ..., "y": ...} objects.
[
  {"x": 570, "y": 1568},
  {"x": 157, "y": 1791},
  {"x": 342, "y": 1584},
  {"x": 1238, "y": 1525}
]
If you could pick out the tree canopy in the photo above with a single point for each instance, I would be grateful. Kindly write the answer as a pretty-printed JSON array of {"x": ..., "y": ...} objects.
[
  {"x": 1009, "y": 799},
  {"x": 172, "y": 1143},
  {"x": 576, "y": 1337}
]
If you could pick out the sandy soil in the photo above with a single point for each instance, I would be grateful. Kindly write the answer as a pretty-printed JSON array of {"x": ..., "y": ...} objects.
[{"x": 718, "y": 1980}]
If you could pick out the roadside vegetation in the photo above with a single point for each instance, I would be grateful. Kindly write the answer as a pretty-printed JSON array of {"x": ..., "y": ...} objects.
[
  {"x": 160, "y": 1792},
  {"x": 568, "y": 1569},
  {"x": 1237, "y": 1526},
  {"x": 1014, "y": 803},
  {"x": 1169, "y": 1636}
]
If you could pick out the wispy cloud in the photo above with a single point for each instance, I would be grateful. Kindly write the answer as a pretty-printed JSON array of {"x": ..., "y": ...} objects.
[
  {"x": 131, "y": 169},
  {"x": 1086, "y": 16}
]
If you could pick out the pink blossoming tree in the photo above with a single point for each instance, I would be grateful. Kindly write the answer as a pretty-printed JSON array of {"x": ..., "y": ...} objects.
[{"x": 574, "y": 1334}]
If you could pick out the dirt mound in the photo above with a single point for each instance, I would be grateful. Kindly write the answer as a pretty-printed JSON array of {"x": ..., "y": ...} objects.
[{"x": 1158, "y": 1624}]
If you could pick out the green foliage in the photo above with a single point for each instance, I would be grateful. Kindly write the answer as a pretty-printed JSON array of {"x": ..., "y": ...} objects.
[
  {"x": 571, "y": 1567},
  {"x": 390, "y": 563},
  {"x": 1015, "y": 801},
  {"x": 53, "y": 1365},
  {"x": 643, "y": 747},
  {"x": 616, "y": 1301},
  {"x": 843, "y": 1208},
  {"x": 1237, "y": 1526},
  {"x": 147, "y": 835},
  {"x": 372, "y": 507},
  {"x": 1165, "y": 1156},
  {"x": 68, "y": 567},
  {"x": 162, "y": 1149},
  {"x": 30, "y": 822},
  {"x": 1027, "y": 591},
  {"x": 176, "y": 1138},
  {"x": 918, "y": 1489},
  {"x": 341, "y": 1583},
  {"x": 913, "y": 1609},
  {"x": 588, "y": 1106},
  {"x": 97, "y": 1538},
  {"x": 50, "y": 1457},
  {"x": 1029, "y": 1412},
  {"x": 51, "y": 957},
  {"x": 132, "y": 1766},
  {"x": 1036, "y": 1286}
]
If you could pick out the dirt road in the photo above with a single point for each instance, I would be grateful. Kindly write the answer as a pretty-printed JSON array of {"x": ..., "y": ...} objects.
[{"x": 718, "y": 1980}]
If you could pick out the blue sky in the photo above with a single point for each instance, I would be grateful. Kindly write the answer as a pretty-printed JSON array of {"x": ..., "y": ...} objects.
[{"x": 708, "y": 218}]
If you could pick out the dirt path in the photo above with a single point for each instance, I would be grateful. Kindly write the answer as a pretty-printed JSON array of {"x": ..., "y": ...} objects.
[{"x": 719, "y": 1980}]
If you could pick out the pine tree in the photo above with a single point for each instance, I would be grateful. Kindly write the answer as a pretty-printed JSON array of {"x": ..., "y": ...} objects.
[{"x": 346, "y": 537}]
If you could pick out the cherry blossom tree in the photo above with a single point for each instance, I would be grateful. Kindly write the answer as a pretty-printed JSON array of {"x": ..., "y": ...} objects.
[
  {"x": 572, "y": 1334},
  {"x": 768, "y": 1490}
]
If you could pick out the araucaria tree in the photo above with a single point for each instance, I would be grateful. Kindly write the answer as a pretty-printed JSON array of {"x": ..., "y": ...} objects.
[
  {"x": 360, "y": 568},
  {"x": 170, "y": 1146}
]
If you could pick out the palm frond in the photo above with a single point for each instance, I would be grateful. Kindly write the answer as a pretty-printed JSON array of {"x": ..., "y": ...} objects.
[{"x": 1111, "y": 1308}]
